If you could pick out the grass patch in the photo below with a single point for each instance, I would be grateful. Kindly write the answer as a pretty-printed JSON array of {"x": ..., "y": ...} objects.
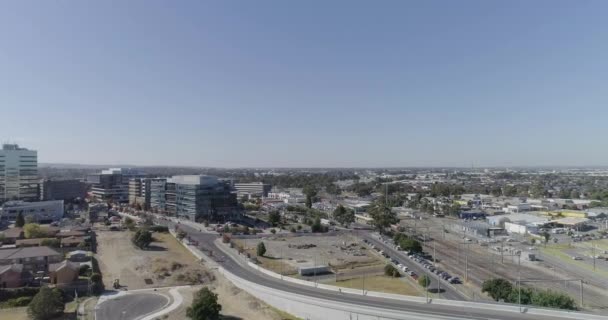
[
  {"x": 379, "y": 283},
  {"x": 556, "y": 252},
  {"x": 14, "y": 314}
]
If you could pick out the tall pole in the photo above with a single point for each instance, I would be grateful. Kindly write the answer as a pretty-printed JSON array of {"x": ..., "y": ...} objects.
[
  {"x": 593, "y": 253},
  {"x": 519, "y": 281},
  {"x": 581, "y": 293}
]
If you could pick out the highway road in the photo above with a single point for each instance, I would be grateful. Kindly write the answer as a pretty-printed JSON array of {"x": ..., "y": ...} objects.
[
  {"x": 130, "y": 306},
  {"x": 206, "y": 243}
]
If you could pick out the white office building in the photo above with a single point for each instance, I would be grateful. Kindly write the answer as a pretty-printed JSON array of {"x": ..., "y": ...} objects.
[
  {"x": 18, "y": 173},
  {"x": 40, "y": 212}
]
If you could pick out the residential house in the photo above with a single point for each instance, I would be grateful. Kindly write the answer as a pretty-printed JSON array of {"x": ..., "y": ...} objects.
[
  {"x": 12, "y": 235},
  {"x": 72, "y": 242},
  {"x": 10, "y": 276},
  {"x": 64, "y": 272},
  {"x": 32, "y": 258}
]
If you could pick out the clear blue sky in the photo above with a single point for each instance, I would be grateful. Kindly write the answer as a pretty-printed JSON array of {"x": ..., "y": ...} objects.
[{"x": 306, "y": 83}]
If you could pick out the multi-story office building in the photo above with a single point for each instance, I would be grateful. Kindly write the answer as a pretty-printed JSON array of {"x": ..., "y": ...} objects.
[
  {"x": 196, "y": 197},
  {"x": 112, "y": 184},
  {"x": 18, "y": 173},
  {"x": 41, "y": 211},
  {"x": 140, "y": 190},
  {"x": 62, "y": 189},
  {"x": 254, "y": 189}
]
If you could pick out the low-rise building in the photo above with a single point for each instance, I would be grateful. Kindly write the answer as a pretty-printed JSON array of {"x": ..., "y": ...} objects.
[
  {"x": 11, "y": 276},
  {"x": 64, "y": 272},
  {"x": 40, "y": 212},
  {"x": 254, "y": 189},
  {"x": 12, "y": 235},
  {"x": 32, "y": 258}
]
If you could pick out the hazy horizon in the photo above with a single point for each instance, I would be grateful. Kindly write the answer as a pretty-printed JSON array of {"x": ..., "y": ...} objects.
[{"x": 343, "y": 84}]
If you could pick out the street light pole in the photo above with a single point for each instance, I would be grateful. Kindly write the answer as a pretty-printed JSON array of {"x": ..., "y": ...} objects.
[{"x": 519, "y": 281}]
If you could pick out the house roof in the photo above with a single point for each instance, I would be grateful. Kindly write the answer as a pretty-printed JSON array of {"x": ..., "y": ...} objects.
[
  {"x": 64, "y": 264},
  {"x": 31, "y": 241},
  {"x": 27, "y": 252},
  {"x": 13, "y": 232},
  {"x": 71, "y": 240},
  {"x": 17, "y": 267},
  {"x": 71, "y": 233}
]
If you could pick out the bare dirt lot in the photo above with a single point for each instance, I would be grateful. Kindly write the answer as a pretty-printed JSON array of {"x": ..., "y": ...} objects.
[
  {"x": 167, "y": 263},
  {"x": 119, "y": 259},
  {"x": 284, "y": 254}
]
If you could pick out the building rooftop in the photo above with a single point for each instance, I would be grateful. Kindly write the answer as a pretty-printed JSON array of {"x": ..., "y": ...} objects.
[
  {"x": 13, "y": 233},
  {"x": 28, "y": 252},
  {"x": 16, "y": 267},
  {"x": 193, "y": 180},
  {"x": 64, "y": 264}
]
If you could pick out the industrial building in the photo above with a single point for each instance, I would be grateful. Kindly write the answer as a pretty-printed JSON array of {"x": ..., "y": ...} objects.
[
  {"x": 40, "y": 212},
  {"x": 18, "y": 173}
]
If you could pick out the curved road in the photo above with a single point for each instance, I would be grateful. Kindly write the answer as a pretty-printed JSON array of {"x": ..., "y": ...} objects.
[
  {"x": 130, "y": 306},
  {"x": 206, "y": 243}
]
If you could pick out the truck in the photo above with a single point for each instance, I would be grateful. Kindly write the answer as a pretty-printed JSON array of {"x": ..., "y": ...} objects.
[{"x": 530, "y": 256}]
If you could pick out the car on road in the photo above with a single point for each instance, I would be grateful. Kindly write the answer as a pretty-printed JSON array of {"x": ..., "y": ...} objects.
[{"x": 577, "y": 258}]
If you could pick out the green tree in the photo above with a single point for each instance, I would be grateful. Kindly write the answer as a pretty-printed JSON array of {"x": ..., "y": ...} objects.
[
  {"x": 498, "y": 289},
  {"x": 317, "y": 226},
  {"x": 46, "y": 304},
  {"x": 20, "y": 222},
  {"x": 410, "y": 245},
  {"x": 310, "y": 192},
  {"x": 33, "y": 230},
  {"x": 142, "y": 238},
  {"x": 424, "y": 281},
  {"x": 274, "y": 218},
  {"x": 55, "y": 243},
  {"x": 129, "y": 223},
  {"x": 344, "y": 216},
  {"x": 204, "y": 306},
  {"x": 546, "y": 237},
  {"x": 382, "y": 215},
  {"x": 261, "y": 249},
  {"x": 96, "y": 283}
]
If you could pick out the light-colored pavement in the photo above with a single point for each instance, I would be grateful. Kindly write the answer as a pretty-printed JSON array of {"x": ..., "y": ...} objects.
[{"x": 130, "y": 306}]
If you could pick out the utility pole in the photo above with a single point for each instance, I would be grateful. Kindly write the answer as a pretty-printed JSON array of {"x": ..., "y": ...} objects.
[
  {"x": 519, "y": 281},
  {"x": 593, "y": 253},
  {"x": 581, "y": 293}
]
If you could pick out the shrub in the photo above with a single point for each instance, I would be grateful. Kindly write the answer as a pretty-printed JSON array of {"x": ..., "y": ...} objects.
[
  {"x": 261, "y": 249},
  {"x": 157, "y": 228},
  {"x": 16, "y": 303},
  {"x": 84, "y": 270},
  {"x": 273, "y": 231},
  {"x": 424, "y": 281},
  {"x": 8, "y": 294},
  {"x": 46, "y": 304},
  {"x": 391, "y": 271}
]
